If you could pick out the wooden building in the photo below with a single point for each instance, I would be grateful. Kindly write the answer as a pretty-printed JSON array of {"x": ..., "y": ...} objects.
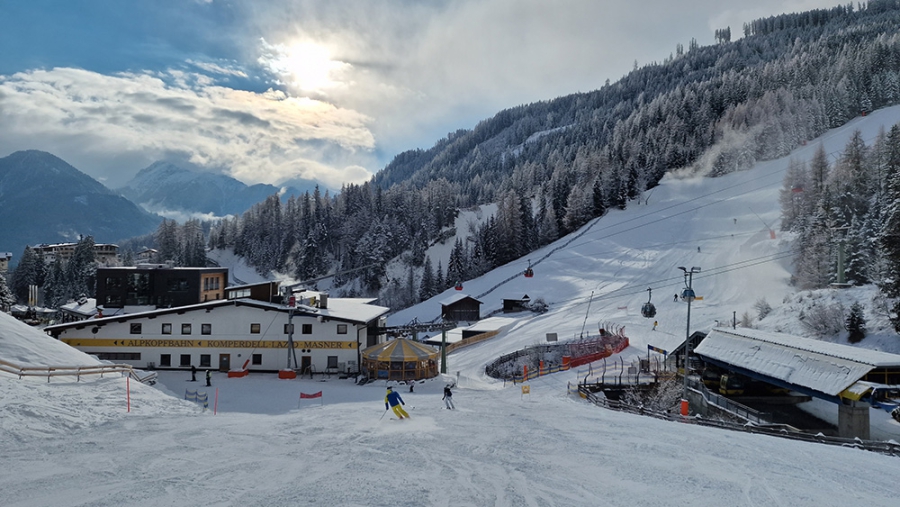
[
  {"x": 148, "y": 286},
  {"x": 461, "y": 308}
]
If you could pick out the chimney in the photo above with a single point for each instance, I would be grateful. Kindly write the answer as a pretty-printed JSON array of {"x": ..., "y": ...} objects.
[{"x": 323, "y": 301}]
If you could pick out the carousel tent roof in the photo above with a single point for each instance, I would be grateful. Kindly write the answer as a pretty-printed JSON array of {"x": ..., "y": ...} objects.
[{"x": 399, "y": 350}]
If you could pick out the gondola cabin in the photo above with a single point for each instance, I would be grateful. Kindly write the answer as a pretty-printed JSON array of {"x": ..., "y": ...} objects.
[{"x": 648, "y": 310}]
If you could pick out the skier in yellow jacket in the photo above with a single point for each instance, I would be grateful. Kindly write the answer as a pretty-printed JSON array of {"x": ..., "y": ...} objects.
[{"x": 394, "y": 400}]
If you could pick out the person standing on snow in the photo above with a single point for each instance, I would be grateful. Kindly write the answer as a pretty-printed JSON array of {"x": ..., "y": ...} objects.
[
  {"x": 448, "y": 398},
  {"x": 208, "y": 378},
  {"x": 655, "y": 323},
  {"x": 394, "y": 400}
]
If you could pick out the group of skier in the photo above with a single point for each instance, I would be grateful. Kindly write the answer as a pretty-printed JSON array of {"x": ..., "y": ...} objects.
[{"x": 393, "y": 401}]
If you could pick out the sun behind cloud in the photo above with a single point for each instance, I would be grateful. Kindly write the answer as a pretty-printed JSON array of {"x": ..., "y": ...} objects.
[{"x": 304, "y": 66}]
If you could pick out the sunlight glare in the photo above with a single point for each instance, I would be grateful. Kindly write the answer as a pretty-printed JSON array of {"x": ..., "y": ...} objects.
[{"x": 309, "y": 67}]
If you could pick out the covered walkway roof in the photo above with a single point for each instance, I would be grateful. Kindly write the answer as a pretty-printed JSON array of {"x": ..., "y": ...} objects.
[{"x": 818, "y": 366}]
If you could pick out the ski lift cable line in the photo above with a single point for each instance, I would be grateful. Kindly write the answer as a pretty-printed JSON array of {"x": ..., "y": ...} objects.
[
  {"x": 675, "y": 281},
  {"x": 676, "y": 205},
  {"x": 336, "y": 273},
  {"x": 671, "y": 243},
  {"x": 707, "y": 274},
  {"x": 673, "y": 206},
  {"x": 596, "y": 220}
]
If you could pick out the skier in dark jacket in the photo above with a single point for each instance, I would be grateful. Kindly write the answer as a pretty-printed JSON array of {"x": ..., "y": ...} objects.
[
  {"x": 448, "y": 398},
  {"x": 208, "y": 378},
  {"x": 394, "y": 400}
]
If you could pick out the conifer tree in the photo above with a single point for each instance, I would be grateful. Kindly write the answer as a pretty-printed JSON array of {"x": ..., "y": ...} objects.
[
  {"x": 7, "y": 299},
  {"x": 856, "y": 323},
  {"x": 28, "y": 272}
]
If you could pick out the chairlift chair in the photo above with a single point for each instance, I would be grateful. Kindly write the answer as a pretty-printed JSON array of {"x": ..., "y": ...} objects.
[{"x": 529, "y": 273}]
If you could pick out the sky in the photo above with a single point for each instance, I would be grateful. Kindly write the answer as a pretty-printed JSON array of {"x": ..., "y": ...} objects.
[
  {"x": 327, "y": 91},
  {"x": 69, "y": 443}
]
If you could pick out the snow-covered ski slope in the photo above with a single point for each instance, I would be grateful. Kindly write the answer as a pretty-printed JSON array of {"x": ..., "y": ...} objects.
[
  {"x": 724, "y": 226},
  {"x": 67, "y": 443}
]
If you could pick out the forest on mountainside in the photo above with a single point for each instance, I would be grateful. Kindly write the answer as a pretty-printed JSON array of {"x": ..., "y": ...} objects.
[
  {"x": 846, "y": 216},
  {"x": 553, "y": 165}
]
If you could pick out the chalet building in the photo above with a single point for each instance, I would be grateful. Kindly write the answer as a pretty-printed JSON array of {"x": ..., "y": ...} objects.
[
  {"x": 513, "y": 304},
  {"x": 461, "y": 308},
  {"x": 5, "y": 257},
  {"x": 145, "y": 256},
  {"x": 105, "y": 254},
  {"x": 236, "y": 334},
  {"x": 149, "y": 286}
]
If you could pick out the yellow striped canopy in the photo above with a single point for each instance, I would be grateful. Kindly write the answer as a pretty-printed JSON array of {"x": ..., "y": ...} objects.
[{"x": 399, "y": 350}]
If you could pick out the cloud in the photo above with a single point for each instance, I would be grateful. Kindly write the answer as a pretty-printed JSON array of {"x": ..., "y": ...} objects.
[
  {"x": 285, "y": 89},
  {"x": 264, "y": 137},
  {"x": 422, "y": 69}
]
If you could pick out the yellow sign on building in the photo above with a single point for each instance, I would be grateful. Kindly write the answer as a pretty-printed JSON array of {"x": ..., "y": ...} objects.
[{"x": 217, "y": 344}]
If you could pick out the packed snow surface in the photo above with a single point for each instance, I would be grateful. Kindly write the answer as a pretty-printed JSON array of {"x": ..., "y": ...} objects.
[{"x": 75, "y": 443}]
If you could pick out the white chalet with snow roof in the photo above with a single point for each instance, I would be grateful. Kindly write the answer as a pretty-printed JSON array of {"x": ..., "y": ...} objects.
[{"x": 236, "y": 334}]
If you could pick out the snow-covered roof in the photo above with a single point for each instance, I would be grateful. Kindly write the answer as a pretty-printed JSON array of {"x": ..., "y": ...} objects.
[
  {"x": 453, "y": 335},
  {"x": 455, "y": 298},
  {"x": 825, "y": 367},
  {"x": 492, "y": 324},
  {"x": 350, "y": 310},
  {"x": 86, "y": 307}
]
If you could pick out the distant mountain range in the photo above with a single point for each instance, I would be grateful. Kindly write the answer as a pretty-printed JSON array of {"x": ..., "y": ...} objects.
[
  {"x": 165, "y": 188},
  {"x": 43, "y": 199}
]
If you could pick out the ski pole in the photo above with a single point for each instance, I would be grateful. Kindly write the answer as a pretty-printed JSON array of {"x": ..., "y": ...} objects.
[{"x": 382, "y": 415}]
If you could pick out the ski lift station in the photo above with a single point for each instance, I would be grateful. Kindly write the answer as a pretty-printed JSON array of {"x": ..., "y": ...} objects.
[{"x": 861, "y": 382}]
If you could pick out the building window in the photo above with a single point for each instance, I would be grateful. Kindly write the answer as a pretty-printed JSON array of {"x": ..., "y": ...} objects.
[
  {"x": 185, "y": 359},
  {"x": 165, "y": 359},
  {"x": 332, "y": 361},
  {"x": 177, "y": 284},
  {"x": 254, "y": 328},
  {"x": 167, "y": 329},
  {"x": 135, "y": 328},
  {"x": 238, "y": 293},
  {"x": 257, "y": 359},
  {"x": 288, "y": 328},
  {"x": 205, "y": 328},
  {"x": 306, "y": 329},
  {"x": 205, "y": 360},
  {"x": 113, "y": 282},
  {"x": 185, "y": 329},
  {"x": 342, "y": 328}
]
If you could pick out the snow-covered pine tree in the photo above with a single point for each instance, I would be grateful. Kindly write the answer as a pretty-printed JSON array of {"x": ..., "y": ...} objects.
[
  {"x": 427, "y": 288},
  {"x": 29, "y": 271},
  {"x": 889, "y": 239},
  {"x": 7, "y": 299},
  {"x": 856, "y": 323}
]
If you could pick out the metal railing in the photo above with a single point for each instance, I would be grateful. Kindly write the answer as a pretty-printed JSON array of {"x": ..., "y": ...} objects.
[
  {"x": 75, "y": 371},
  {"x": 889, "y": 447}
]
